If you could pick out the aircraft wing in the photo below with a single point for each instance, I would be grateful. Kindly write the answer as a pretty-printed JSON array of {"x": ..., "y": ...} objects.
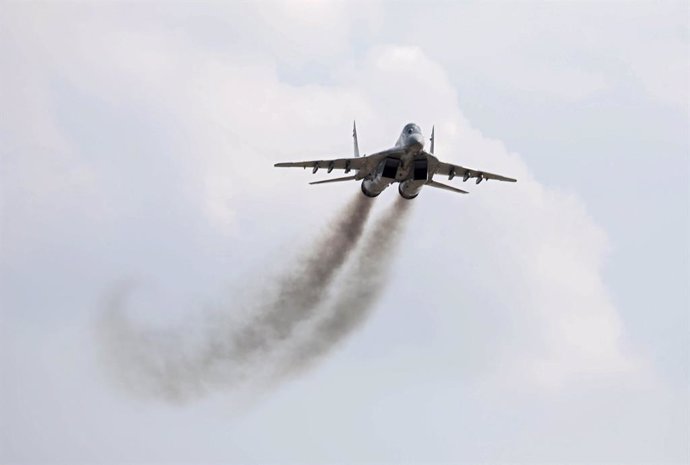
[
  {"x": 450, "y": 170},
  {"x": 362, "y": 165}
]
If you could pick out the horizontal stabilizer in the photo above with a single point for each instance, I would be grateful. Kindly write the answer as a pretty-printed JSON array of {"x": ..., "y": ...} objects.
[
  {"x": 438, "y": 185},
  {"x": 346, "y": 178}
]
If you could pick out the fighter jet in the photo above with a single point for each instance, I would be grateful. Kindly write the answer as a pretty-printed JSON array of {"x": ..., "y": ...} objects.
[{"x": 407, "y": 163}]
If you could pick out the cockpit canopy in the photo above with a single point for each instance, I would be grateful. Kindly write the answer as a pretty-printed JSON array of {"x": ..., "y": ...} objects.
[{"x": 411, "y": 128}]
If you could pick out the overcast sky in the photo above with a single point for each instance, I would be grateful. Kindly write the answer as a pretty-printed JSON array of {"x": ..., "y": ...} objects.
[{"x": 538, "y": 322}]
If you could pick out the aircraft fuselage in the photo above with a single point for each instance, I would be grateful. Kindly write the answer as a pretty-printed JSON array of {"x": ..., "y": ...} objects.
[{"x": 409, "y": 168}]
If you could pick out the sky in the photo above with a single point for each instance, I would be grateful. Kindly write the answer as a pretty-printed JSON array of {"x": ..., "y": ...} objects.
[{"x": 539, "y": 322}]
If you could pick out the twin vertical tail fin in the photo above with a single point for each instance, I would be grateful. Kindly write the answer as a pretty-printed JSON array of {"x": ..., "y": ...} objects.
[
  {"x": 354, "y": 137},
  {"x": 432, "y": 140}
]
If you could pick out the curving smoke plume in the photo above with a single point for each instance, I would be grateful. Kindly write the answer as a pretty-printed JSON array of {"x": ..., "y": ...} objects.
[
  {"x": 179, "y": 365},
  {"x": 360, "y": 288}
]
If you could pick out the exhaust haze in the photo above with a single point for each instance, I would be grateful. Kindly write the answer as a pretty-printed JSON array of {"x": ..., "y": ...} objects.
[
  {"x": 222, "y": 351},
  {"x": 363, "y": 284}
]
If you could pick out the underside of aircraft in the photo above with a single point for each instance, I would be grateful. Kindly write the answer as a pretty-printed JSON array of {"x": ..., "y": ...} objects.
[{"x": 407, "y": 164}]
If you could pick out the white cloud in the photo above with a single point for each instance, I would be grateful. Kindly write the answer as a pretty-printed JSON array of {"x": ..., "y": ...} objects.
[
  {"x": 553, "y": 51},
  {"x": 508, "y": 279}
]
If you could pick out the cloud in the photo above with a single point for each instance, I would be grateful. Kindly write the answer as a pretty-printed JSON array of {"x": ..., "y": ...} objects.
[
  {"x": 223, "y": 108},
  {"x": 172, "y": 135},
  {"x": 553, "y": 52}
]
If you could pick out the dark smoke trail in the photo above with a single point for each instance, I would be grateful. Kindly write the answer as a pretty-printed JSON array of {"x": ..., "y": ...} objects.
[
  {"x": 301, "y": 290},
  {"x": 362, "y": 286},
  {"x": 180, "y": 365}
]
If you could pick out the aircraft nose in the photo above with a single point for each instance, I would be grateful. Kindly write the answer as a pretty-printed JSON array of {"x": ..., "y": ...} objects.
[{"x": 416, "y": 139}]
